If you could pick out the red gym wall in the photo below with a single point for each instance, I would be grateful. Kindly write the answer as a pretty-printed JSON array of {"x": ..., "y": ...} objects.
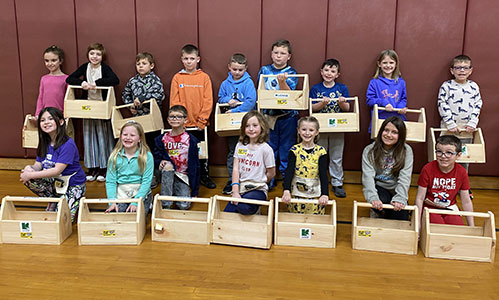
[{"x": 425, "y": 33}]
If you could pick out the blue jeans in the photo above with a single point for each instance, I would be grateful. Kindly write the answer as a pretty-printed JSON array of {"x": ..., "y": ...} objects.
[
  {"x": 386, "y": 197},
  {"x": 282, "y": 138},
  {"x": 245, "y": 208}
]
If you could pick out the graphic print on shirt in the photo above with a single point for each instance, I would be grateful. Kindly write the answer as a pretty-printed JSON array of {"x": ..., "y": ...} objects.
[
  {"x": 178, "y": 150},
  {"x": 386, "y": 94},
  {"x": 248, "y": 161},
  {"x": 47, "y": 163},
  {"x": 440, "y": 188},
  {"x": 386, "y": 173},
  {"x": 332, "y": 106}
]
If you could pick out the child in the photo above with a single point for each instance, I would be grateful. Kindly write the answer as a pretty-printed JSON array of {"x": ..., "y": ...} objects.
[
  {"x": 98, "y": 138},
  {"x": 57, "y": 161},
  {"x": 333, "y": 101},
  {"x": 237, "y": 88},
  {"x": 52, "y": 85},
  {"x": 254, "y": 164},
  {"x": 177, "y": 158},
  {"x": 191, "y": 88},
  {"x": 387, "y": 88},
  {"x": 282, "y": 122},
  {"x": 130, "y": 169},
  {"x": 145, "y": 85},
  {"x": 441, "y": 180},
  {"x": 387, "y": 169},
  {"x": 306, "y": 173}
]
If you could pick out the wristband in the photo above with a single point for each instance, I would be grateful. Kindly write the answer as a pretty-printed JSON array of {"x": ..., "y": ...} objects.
[{"x": 234, "y": 183}]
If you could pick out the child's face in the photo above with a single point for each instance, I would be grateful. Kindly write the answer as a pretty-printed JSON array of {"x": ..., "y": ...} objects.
[
  {"x": 95, "y": 57},
  {"x": 144, "y": 67},
  {"x": 176, "y": 119},
  {"x": 308, "y": 131},
  {"x": 190, "y": 61},
  {"x": 387, "y": 66},
  {"x": 280, "y": 57},
  {"x": 253, "y": 129},
  {"x": 461, "y": 71},
  {"x": 48, "y": 123},
  {"x": 237, "y": 70},
  {"x": 52, "y": 62},
  {"x": 130, "y": 137},
  {"x": 446, "y": 156},
  {"x": 329, "y": 73},
  {"x": 389, "y": 136}
]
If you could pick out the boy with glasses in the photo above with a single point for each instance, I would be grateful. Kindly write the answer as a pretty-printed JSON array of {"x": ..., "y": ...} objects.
[
  {"x": 441, "y": 180},
  {"x": 176, "y": 156}
]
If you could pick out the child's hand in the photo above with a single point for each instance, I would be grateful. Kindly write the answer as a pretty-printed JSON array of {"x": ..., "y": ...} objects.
[
  {"x": 34, "y": 120},
  {"x": 286, "y": 196},
  {"x": 28, "y": 168},
  {"x": 282, "y": 76},
  {"x": 454, "y": 130},
  {"x": 233, "y": 103},
  {"x": 92, "y": 86},
  {"x": 131, "y": 208},
  {"x": 403, "y": 111},
  {"x": 133, "y": 110},
  {"x": 25, "y": 176},
  {"x": 165, "y": 165},
  {"x": 397, "y": 205},
  {"x": 377, "y": 204},
  {"x": 323, "y": 199},
  {"x": 112, "y": 207},
  {"x": 235, "y": 195},
  {"x": 389, "y": 107},
  {"x": 469, "y": 129},
  {"x": 84, "y": 85},
  {"x": 229, "y": 111},
  {"x": 136, "y": 102}
]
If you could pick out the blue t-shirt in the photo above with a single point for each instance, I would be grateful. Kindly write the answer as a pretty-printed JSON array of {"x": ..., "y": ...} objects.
[
  {"x": 320, "y": 91},
  {"x": 67, "y": 154},
  {"x": 272, "y": 83}
]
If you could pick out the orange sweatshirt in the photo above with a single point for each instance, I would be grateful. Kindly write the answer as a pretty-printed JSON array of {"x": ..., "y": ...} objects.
[{"x": 193, "y": 90}]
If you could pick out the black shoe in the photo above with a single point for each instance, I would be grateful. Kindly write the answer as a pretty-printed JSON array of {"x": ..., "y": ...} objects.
[
  {"x": 339, "y": 191},
  {"x": 227, "y": 189},
  {"x": 207, "y": 182}
]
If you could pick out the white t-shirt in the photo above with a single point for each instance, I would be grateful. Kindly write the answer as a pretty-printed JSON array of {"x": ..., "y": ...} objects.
[{"x": 254, "y": 161}]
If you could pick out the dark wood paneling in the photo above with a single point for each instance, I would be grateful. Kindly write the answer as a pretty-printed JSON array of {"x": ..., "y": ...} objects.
[
  {"x": 428, "y": 35},
  {"x": 357, "y": 32},
  {"x": 481, "y": 44},
  {"x": 239, "y": 30},
  {"x": 10, "y": 81}
]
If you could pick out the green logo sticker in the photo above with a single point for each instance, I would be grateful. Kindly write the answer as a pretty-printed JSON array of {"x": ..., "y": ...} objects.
[
  {"x": 332, "y": 122},
  {"x": 305, "y": 233},
  {"x": 465, "y": 150}
]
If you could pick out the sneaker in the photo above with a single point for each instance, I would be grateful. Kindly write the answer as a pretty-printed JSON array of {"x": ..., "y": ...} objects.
[
  {"x": 227, "y": 189},
  {"x": 339, "y": 191},
  {"x": 207, "y": 182},
  {"x": 91, "y": 177},
  {"x": 101, "y": 178},
  {"x": 154, "y": 182}
]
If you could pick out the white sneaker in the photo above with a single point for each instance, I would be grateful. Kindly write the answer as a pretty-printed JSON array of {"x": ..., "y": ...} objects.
[
  {"x": 91, "y": 177},
  {"x": 101, "y": 178}
]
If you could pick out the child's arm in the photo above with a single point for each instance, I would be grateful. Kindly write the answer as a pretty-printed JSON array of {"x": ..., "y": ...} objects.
[
  {"x": 467, "y": 205},
  {"x": 249, "y": 100},
  {"x": 156, "y": 90},
  {"x": 75, "y": 77},
  {"x": 235, "y": 178},
  {"x": 108, "y": 78},
  {"x": 289, "y": 173},
  {"x": 444, "y": 108},
  {"x": 323, "y": 163},
  {"x": 174, "y": 92},
  {"x": 111, "y": 180},
  {"x": 224, "y": 95},
  {"x": 39, "y": 101},
  {"x": 401, "y": 196},
  {"x": 368, "y": 174},
  {"x": 342, "y": 102},
  {"x": 127, "y": 94},
  {"x": 270, "y": 173},
  {"x": 52, "y": 172},
  {"x": 475, "y": 111},
  {"x": 420, "y": 196},
  {"x": 145, "y": 184},
  {"x": 282, "y": 79},
  {"x": 207, "y": 104}
]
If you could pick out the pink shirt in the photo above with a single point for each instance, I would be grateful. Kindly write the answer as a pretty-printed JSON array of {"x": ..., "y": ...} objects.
[
  {"x": 52, "y": 91},
  {"x": 178, "y": 149}
]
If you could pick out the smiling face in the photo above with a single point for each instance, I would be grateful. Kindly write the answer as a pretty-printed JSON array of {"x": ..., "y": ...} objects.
[
  {"x": 280, "y": 56},
  {"x": 48, "y": 124},
  {"x": 144, "y": 67},
  {"x": 447, "y": 158},
  {"x": 461, "y": 71},
  {"x": 389, "y": 136},
  {"x": 190, "y": 61},
  {"x": 387, "y": 66},
  {"x": 52, "y": 62},
  {"x": 329, "y": 74},
  {"x": 95, "y": 57},
  {"x": 130, "y": 138},
  {"x": 176, "y": 119},
  {"x": 308, "y": 131},
  {"x": 237, "y": 70},
  {"x": 253, "y": 129}
]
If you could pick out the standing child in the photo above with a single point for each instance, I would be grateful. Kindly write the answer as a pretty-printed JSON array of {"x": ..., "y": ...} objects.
[
  {"x": 57, "y": 161},
  {"x": 282, "y": 122},
  {"x": 238, "y": 90},
  {"x": 177, "y": 158},
  {"x": 333, "y": 96},
  {"x": 191, "y": 88},
  {"x": 306, "y": 173},
  {"x": 130, "y": 169},
  {"x": 254, "y": 164},
  {"x": 441, "y": 180},
  {"x": 98, "y": 138},
  {"x": 387, "y": 170},
  {"x": 387, "y": 88}
]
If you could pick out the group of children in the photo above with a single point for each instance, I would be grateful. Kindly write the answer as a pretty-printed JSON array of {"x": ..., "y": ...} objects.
[{"x": 264, "y": 138}]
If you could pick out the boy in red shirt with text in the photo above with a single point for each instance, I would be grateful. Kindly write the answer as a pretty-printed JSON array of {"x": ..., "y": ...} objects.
[{"x": 441, "y": 180}]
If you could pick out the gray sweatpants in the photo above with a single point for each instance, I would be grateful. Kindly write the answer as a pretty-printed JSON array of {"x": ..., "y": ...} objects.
[{"x": 334, "y": 143}]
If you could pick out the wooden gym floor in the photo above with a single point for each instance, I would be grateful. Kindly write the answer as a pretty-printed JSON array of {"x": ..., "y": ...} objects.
[{"x": 185, "y": 271}]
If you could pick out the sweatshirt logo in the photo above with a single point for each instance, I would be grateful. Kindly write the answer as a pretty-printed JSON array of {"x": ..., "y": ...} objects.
[{"x": 182, "y": 85}]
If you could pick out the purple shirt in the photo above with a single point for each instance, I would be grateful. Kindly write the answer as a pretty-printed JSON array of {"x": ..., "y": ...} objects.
[{"x": 67, "y": 154}]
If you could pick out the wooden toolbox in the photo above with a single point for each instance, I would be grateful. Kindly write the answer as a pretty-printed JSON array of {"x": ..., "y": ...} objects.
[
  {"x": 181, "y": 226},
  {"x": 476, "y": 243},
  {"x": 30, "y": 133},
  {"x": 19, "y": 225},
  {"x": 306, "y": 230},
  {"x": 283, "y": 99},
  {"x": 100, "y": 228},
  {"x": 377, "y": 234},
  {"x": 242, "y": 230},
  {"x": 202, "y": 146},
  {"x": 338, "y": 122},
  {"x": 89, "y": 109},
  {"x": 153, "y": 121},
  {"x": 227, "y": 124},
  {"x": 473, "y": 152},
  {"x": 416, "y": 130}
]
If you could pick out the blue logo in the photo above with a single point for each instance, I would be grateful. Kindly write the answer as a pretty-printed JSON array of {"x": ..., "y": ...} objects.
[{"x": 181, "y": 85}]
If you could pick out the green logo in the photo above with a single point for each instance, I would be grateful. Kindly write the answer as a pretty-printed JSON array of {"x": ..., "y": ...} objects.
[{"x": 305, "y": 233}]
